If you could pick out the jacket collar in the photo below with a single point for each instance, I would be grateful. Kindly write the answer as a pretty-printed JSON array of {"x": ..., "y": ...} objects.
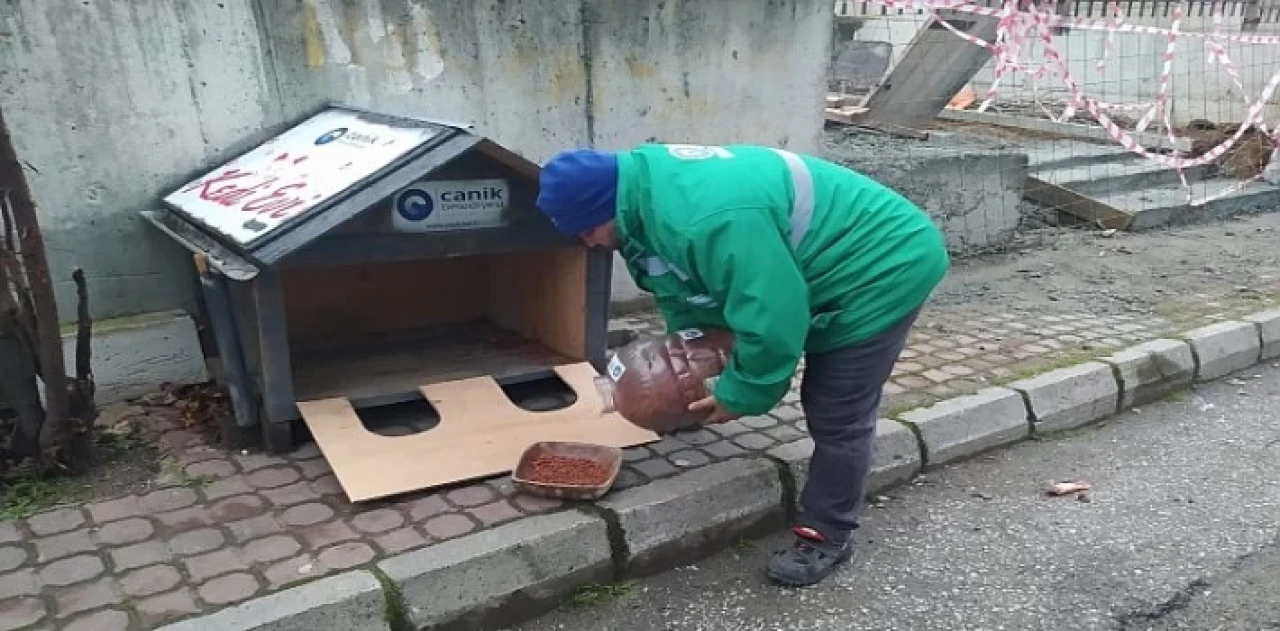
[{"x": 633, "y": 194}]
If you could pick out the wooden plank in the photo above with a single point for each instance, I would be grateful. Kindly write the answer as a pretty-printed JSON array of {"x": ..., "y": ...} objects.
[
  {"x": 543, "y": 296},
  {"x": 395, "y": 365},
  {"x": 1152, "y": 141},
  {"x": 349, "y": 301},
  {"x": 481, "y": 434},
  {"x": 1076, "y": 204},
  {"x": 937, "y": 66},
  {"x": 852, "y": 116},
  {"x": 838, "y": 100},
  {"x": 843, "y": 115}
]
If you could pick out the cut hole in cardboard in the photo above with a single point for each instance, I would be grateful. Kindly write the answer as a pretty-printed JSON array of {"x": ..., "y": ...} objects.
[
  {"x": 402, "y": 418},
  {"x": 542, "y": 394}
]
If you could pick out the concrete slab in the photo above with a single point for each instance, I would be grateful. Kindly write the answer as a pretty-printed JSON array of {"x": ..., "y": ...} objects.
[
  {"x": 1268, "y": 323},
  {"x": 896, "y": 457},
  {"x": 982, "y": 211},
  {"x": 1065, "y": 153},
  {"x": 1224, "y": 348},
  {"x": 1078, "y": 130},
  {"x": 965, "y": 426},
  {"x": 1069, "y": 397},
  {"x": 133, "y": 356},
  {"x": 668, "y": 522},
  {"x": 1104, "y": 178},
  {"x": 1151, "y": 371},
  {"x": 1168, "y": 205},
  {"x": 351, "y": 601},
  {"x": 504, "y": 574}
]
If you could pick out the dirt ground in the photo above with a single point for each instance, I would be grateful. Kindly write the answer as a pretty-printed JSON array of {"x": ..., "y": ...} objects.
[{"x": 1219, "y": 265}]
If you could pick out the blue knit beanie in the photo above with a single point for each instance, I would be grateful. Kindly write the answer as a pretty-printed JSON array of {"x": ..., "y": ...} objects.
[{"x": 578, "y": 189}]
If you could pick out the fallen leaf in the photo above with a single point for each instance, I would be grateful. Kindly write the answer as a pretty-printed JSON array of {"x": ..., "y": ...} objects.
[{"x": 1067, "y": 488}]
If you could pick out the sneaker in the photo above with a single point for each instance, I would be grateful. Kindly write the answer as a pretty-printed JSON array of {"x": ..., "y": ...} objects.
[{"x": 810, "y": 559}]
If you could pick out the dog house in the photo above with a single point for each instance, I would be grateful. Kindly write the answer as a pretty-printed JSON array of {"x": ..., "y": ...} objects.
[{"x": 360, "y": 260}]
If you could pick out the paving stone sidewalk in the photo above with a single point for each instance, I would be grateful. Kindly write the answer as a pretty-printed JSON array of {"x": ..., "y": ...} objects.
[{"x": 235, "y": 526}]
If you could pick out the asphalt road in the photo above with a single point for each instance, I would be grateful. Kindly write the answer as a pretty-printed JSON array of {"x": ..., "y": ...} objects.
[{"x": 1180, "y": 531}]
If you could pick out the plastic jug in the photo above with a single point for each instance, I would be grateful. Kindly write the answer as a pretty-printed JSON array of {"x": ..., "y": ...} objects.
[{"x": 651, "y": 381}]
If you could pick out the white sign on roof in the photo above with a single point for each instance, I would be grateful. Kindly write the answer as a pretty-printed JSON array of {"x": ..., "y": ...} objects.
[{"x": 293, "y": 172}]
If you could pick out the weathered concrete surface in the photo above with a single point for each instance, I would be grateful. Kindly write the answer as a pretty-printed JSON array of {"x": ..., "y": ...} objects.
[
  {"x": 687, "y": 515},
  {"x": 896, "y": 457},
  {"x": 1242, "y": 598},
  {"x": 1268, "y": 323},
  {"x": 1150, "y": 371},
  {"x": 973, "y": 190},
  {"x": 1069, "y": 397},
  {"x": 963, "y": 426},
  {"x": 178, "y": 87},
  {"x": 1183, "y": 491},
  {"x": 131, "y": 356},
  {"x": 1224, "y": 348},
  {"x": 673, "y": 71},
  {"x": 351, "y": 601},
  {"x": 512, "y": 570}
]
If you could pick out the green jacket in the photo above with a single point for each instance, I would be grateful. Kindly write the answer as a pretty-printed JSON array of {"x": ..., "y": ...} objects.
[{"x": 708, "y": 230}]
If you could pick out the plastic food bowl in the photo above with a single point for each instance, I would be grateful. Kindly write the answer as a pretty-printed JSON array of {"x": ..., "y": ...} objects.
[{"x": 610, "y": 457}]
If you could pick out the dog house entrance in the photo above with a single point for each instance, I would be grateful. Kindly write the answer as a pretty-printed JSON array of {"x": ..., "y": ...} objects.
[{"x": 378, "y": 333}]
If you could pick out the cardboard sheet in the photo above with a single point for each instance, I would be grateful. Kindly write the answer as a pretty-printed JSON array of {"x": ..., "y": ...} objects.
[{"x": 481, "y": 434}]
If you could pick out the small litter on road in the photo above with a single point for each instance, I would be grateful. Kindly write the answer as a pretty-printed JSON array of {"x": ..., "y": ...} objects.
[{"x": 1068, "y": 488}]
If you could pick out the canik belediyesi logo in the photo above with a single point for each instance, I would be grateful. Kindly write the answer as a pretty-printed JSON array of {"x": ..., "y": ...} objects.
[
  {"x": 348, "y": 137},
  {"x": 331, "y": 136},
  {"x": 415, "y": 205}
]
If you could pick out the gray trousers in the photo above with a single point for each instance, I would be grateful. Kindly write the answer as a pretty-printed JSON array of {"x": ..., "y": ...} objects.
[{"x": 840, "y": 392}]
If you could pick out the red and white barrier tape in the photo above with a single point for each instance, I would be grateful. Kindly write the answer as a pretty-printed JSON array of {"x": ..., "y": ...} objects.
[
  {"x": 1055, "y": 20},
  {"x": 1016, "y": 26},
  {"x": 1159, "y": 104}
]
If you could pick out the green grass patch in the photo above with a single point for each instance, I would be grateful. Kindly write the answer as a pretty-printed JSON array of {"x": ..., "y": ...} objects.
[
  {"x": 895, "y": 411},
  {"x": 1062, "y": 361},
  {"x": 594, "y": 594},
  {"x": 25, "y": 493}
]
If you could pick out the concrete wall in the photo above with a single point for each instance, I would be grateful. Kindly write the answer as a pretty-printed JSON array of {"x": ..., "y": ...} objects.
[
  {"x": 974, "y": 194},
  {"x": 115, "y": 102},
  {"x": 1132, "y": 69}
]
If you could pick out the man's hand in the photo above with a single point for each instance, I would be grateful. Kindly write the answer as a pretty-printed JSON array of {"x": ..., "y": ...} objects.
[{"x": 716, "y": 413}]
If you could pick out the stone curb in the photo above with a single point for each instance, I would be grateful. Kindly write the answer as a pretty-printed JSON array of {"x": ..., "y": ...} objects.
[
  {"x": 965, "y": 426},
  {"x": 668, "y": 522},
  {"x": 524, "y": 568},
  {"x": 494, "y": 577},
  {"x": 351, "y": 601},
  {"x": 896, "y": 459},
  {"x": 1070, "y": 397}
]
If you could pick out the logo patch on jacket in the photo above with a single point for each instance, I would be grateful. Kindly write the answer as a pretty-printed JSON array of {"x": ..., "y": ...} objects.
[{"x": 701, "y": 300}]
